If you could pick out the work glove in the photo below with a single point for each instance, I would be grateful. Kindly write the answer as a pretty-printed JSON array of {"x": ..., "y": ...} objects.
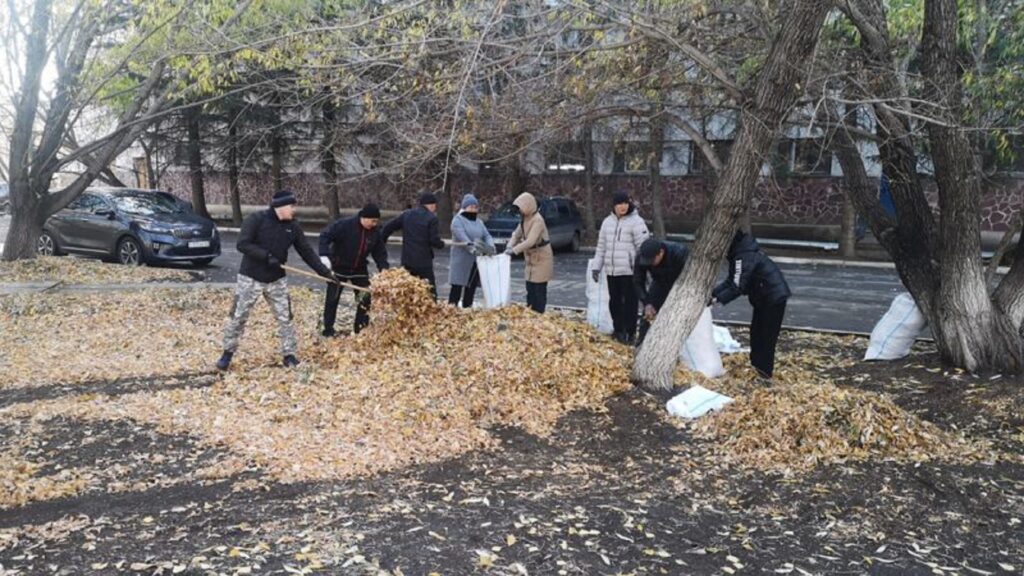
[
  {"x": 472, "y": 249},
  {"x": 272, "y": 261},
  {"x": 596, "y": 275},
  {"x": 508, "y": 251},
  {"x": 325, "y": 261}
]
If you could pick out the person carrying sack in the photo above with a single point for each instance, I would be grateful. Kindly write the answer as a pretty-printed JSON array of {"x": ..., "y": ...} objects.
[
  {"x": 622, "y": 233},
  {"x": 663, "y": 262},
  {"x": 345, "y": 247},
  {"x": 264, "y": 241},
  {"x": 531, "y": 240},
  {"x": 467, "y": 233},
  {"x": 753, "y": 273},
  {"x": 420, "y": 237}
]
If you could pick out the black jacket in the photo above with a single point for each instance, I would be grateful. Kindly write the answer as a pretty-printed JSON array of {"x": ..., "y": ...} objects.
[
  {"x": 420, "y": 235},
  {"x": 349, "y": 245},
  {"x": 753, "y": 273},
  {"x": 663, "y": 276},
  {"x": 264, "y": 241}
]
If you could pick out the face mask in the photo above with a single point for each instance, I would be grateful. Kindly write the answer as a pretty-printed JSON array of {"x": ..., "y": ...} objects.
[{"x": 469, "y": 215}]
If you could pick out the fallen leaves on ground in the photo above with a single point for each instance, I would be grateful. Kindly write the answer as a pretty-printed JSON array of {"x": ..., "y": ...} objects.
[
  {"x": 71, "y": 270},
  {"x": 423, "y": 383},
  {"x": 803, "y": 419}
]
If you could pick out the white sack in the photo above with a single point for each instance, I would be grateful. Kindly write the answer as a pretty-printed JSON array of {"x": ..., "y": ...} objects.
[
  {"x": 696, "y": 402},
  {"x": 725, "y": 342},
  {"x": 895, "y": 333},
  {"x": 495, "y": 279},
  {"x": 699, "y": 351},
  {"x": 598, "y": 314}
]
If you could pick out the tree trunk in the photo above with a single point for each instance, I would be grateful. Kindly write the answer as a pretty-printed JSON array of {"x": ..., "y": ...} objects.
[
  {"x": 773, "y": 95},
  {"x": 657, "y": 145},
  {"x": 329, "y": 162},
  {"x": 970, "y": 334},
  {"x": 233, "y": 191},
  {"x": 195, "y": 163},
  {"x": 848, "y": 230},
  {"x": 589, "y": 213},
  {"x": 27, "y": 219},
  {"x": 277, "y": 161}
]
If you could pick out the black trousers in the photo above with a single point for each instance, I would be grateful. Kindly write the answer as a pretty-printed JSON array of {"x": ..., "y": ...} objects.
[
  {"x": 467, "y": 292},
  {"x": 622, "y": 304},
  {"x": 537, "y": 296},
  {"x": 764, "y": 335},
  {"x": 362, "y": 301},
  {"x": 428, "y": 275}
]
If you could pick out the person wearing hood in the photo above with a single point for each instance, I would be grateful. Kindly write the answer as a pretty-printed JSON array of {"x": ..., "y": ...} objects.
[
  {"x": 264, "y": 241},
  {"x": 420, "y": 237},
  {"x": 531, "y": 240},
  {"x": 622, "y": 233},
  {"x": 663, "y": 261},
  {"x": 467, "y": 233},
  {"x": 346, "y": 246},
  {"x": 753, "y": 273}
]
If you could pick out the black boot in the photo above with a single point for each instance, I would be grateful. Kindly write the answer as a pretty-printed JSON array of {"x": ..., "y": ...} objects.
[
  {"x": 290, "y": 361},
  {"x": 225, "y": 360},
  {"x": 329, "y": 333}
]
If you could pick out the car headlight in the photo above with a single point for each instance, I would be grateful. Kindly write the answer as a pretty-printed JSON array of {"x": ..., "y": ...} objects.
[{"x": 155, "y": 228}]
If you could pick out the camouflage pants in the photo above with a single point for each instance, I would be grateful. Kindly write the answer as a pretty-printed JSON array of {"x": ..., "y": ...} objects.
[{"x": 247, "y": 292}]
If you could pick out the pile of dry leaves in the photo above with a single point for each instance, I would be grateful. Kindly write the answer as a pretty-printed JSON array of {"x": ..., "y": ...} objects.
[
  {"x": 70, "y": 270},
  {"x": 803, "y": 420},
  {"x": 423, "y": 383}
]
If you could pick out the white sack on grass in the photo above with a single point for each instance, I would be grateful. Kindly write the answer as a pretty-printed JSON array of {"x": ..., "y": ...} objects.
[
  {"x": 725, "y": 342},
  {"x": 696, "y": 402},
  {"x": 598, "y": 314},
  {"x": 895, "y": 333},
  {"x": 495, "y": 279},
  {"x": 699, "y": 351}
]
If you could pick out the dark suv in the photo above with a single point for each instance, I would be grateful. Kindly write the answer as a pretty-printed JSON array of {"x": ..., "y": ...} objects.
[
  {"x": 562, "y": 217},
  {"x": 132, "y": 226}
]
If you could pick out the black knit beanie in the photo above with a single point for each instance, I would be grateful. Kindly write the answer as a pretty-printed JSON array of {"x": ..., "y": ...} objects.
[
  {"x": 282, "y": 198},
  {"x": 370, "y": 210}
]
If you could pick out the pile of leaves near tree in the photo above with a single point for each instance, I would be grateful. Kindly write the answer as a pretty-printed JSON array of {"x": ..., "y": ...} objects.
[
  {"x": 803, "y": 419},
  {"x": 70, "y": 338},
  {"x": 423, "y": 383},
  {"x": 69, "y": 270}
]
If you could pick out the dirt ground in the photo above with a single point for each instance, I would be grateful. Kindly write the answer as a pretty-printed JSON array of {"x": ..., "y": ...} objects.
[{"x": 619, "y": 490}]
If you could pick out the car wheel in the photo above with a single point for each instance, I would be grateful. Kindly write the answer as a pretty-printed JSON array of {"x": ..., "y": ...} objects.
[
  {"x": 129, "y": 252},
  {"x": 202, "y": 262},
  {"x": 46, "y": 245},
  {"x": 574, "y": 246}
]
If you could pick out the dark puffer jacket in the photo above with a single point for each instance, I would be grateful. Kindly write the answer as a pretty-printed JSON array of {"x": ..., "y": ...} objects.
[
  {"x": 663, "y": 276},
  {"x": 348, "y": 244},
  {"x": 420, "y": 236},
  {"x": 264, "y": 241},
  {"x": 753, "y": 273}
]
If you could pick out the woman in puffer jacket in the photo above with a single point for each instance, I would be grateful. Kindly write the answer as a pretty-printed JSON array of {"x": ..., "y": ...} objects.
[
  {"x": 531, "y": 240},
  {"x": 622, "y": 233}
]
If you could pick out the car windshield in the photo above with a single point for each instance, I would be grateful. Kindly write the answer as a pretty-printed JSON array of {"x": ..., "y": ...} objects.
[
  {"x": 507, "y": 210},
  {"x": 145, "y": 204}
]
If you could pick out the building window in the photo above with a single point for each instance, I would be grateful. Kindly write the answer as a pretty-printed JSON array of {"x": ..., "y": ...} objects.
[
  {"x": 631, "y": 158},
  {"x": 700, "y": 165},
  {"x": 565, "y": 157},
  {"x": 811, "y": 157},
  {"x": 675, "y": 158}
]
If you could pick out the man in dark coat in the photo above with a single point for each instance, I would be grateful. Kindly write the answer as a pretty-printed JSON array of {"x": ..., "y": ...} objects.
[
  {"x": 264, "y": 241},
  {"x": 663, "y": 261},
  {"x": 420, "y": 237},
  {"x": 345, "y": 246},
  {"x": 753, "y": 273}
]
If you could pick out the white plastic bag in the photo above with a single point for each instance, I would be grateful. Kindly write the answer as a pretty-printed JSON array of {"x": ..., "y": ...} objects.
[
  {"x": 495, "y": 279},
  {"x": 598, "y": 314},
  {"x": 695, "y": 402},
  {"x": 895, "y": 333},
  {"x": 724, "y": 341},
  {"x": 699, "y": 351}
]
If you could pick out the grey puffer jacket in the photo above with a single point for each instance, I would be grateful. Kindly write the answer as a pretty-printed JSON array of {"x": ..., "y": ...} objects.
[{"x": 618, "y": 242}]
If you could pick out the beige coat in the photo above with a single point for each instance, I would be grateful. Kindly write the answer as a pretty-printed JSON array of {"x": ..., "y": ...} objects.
[{"x": 531, "y": 240}]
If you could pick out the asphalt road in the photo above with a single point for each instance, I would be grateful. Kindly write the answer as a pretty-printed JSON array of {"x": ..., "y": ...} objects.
[{"x": 825, "y": 296}]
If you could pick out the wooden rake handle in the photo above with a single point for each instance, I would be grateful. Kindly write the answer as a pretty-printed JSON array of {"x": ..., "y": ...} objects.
[{"x": 319, "y": 277}]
